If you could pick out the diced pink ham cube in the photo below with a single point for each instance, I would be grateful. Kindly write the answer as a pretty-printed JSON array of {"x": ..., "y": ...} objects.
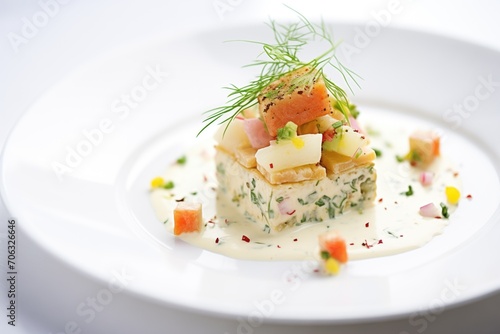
[{"x": 256, "y": 133}]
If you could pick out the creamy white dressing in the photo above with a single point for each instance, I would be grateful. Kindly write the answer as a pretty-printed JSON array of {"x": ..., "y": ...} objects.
[{"x": 392, "y": 225}]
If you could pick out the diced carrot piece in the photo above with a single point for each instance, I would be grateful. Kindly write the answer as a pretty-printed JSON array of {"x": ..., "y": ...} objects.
[
  {"x": 335, "y": 245},
  {"x": 297, "y": 97},
  {"x": 187, "y": 218}
]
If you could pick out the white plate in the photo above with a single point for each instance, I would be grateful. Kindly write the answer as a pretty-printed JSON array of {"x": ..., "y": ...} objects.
[{"x": 98, "y": 217}]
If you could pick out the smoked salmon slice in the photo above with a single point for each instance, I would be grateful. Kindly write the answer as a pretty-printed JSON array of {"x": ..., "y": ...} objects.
[{"x": 299, "y": 97}]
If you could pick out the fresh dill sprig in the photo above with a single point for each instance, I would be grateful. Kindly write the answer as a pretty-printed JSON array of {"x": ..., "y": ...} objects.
[{"x": 281, "y": 58}]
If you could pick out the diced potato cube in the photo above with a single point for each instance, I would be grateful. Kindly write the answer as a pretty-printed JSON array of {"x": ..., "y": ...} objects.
[
  {"x": 346, "y": 141},
  {"x": 246, "y": 157},
  {"x": 336, "y": 163},
  {"x": 285, "y": 154},
  {"x": 233, "y": 136},
  {"x": 319, "y": 125},
  {"x": 424, "y": 147},
  {"x": 293, "y": 175}
]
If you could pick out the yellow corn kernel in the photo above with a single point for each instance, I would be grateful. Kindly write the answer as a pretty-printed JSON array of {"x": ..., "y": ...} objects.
[
  {"x": 297, "y": 142},
  {"x": 332, "y": 266},
  {"x": 157, "y": 182},
  {"x": 452, "y": 194}
]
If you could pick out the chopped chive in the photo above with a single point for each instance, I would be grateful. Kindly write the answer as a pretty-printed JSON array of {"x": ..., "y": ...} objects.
[
  {"x": 409, "y": 192},
  {"x": 325, "y": 255},
  {"x": 320, "y": 202},
  {"x": 444, "y": 210},
  {"x": 337, "y": 124}
]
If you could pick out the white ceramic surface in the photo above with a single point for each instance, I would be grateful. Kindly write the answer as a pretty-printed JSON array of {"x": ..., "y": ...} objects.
[{"x": 97, "y": 217}]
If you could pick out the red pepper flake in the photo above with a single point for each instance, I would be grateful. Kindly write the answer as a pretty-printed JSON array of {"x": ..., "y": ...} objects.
[
  {"x": 380, "y": 200},
  {"x": 365, "y": 244},
  {"x": 367, "y": 224},
  {"x": 291, "y": 212},
  {"x": 351, "y": 244},
  {"x": 278, "y": 246},
  {"x": 295, "y": 239},
  {"x": 205, "y": 178},
  {"x": 468, "y": 196},
  {"x": 400, "y": 235},
  {"x": 245, "y": 238},
  {"x": 455, "y": 174},
  {"x": 380, "y": 242},
  {"x": 216, "y": 240},
  {"x": 271, "y": 166}
]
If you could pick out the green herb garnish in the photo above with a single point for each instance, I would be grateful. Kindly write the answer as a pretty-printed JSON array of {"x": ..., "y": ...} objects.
[
  {"x": 281, "y": 57},
  {"x": 325, "y": 255},
  {"x": 169, "y": 185},
  {"x": 182, "y": 160},
  {"x": 409, "y": 192},
  {"x": 400, "y": 158},
  {"x": 287, "y": 132},
  {"x": 320, "y": 202},
  {"x": 343, "y": 105},
  {"x": 358, "y": 153},
  {"x": 337, "y": 124},
  {"x": 378, "y": 153},
  {"x": 444, "y": 210}
]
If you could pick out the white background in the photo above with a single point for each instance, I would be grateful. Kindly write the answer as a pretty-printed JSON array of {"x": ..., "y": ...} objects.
[{"x": 79, "y": 31}]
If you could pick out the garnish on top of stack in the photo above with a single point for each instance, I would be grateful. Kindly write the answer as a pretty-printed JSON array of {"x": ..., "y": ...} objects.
[{"x": 284, "y": 75}]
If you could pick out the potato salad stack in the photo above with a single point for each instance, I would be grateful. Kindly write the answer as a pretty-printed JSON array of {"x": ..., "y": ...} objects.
[{"x": 289, "y": 147}]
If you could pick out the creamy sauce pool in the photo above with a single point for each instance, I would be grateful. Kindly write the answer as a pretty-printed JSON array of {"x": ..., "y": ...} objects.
[{"x": 392, "y": 225}]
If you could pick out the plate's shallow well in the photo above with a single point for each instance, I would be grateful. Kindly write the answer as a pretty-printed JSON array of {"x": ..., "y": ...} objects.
[{"x": 76, "y": 170}]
